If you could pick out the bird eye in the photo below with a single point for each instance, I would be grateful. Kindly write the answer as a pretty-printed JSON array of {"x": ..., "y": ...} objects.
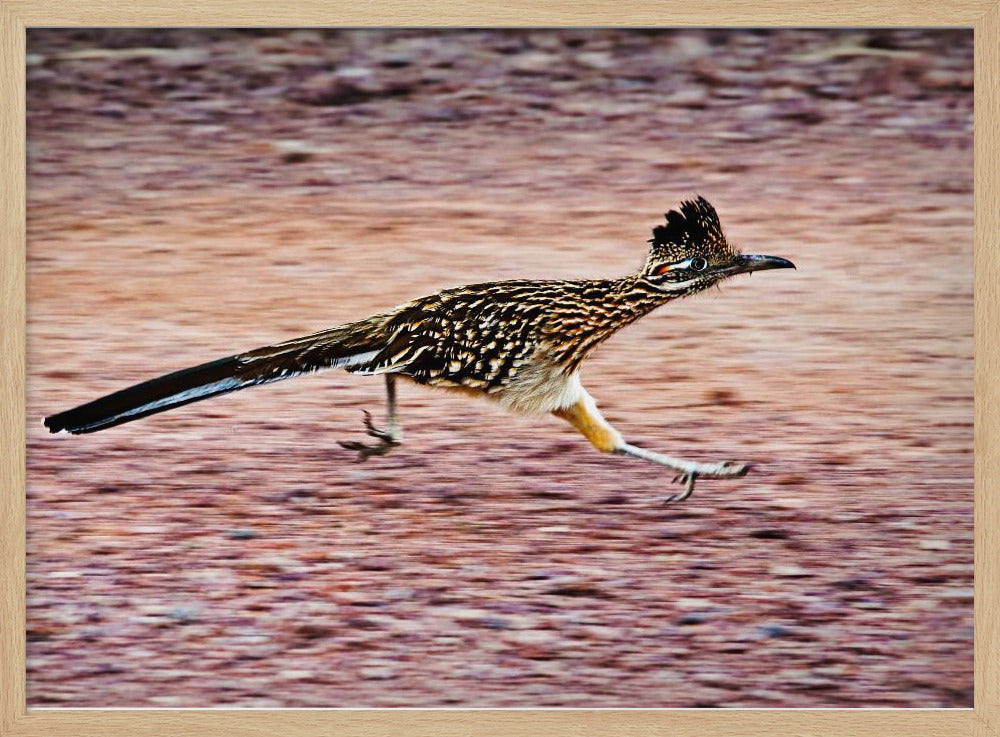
[{"x": 698, "y": 264}]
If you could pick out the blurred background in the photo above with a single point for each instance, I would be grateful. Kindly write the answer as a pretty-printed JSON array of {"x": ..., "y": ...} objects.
[{"x": 193, "y": 193}]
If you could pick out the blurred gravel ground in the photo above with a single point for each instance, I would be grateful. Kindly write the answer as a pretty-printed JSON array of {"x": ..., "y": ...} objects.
[{"x": 195, "y": 193}]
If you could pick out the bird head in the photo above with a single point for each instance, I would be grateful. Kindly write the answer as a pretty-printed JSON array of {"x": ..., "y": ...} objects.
[{"x": 690, "y": 252}]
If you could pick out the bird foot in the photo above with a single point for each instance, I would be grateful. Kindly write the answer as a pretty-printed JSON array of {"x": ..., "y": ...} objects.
[
  {"x": 726, "y": 469},
  {"x": 688, "y": 480},
  {"x": 388, "y": 439}
]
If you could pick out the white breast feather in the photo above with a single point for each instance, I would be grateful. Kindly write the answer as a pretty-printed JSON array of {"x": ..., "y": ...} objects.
[{"x": 538, "y": 389}]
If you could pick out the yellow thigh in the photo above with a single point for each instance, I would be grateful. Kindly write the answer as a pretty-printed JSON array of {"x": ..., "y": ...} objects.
[{"x": 585, "y": 417}]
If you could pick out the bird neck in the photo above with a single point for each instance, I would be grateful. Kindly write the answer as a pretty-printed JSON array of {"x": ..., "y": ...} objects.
[
  {"x": 633, "y": 297},
  {"x": 607, "y": 306}
]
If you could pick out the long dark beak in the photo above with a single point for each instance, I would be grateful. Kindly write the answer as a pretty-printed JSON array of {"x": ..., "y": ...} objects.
[{"x": 746, "y": 264}]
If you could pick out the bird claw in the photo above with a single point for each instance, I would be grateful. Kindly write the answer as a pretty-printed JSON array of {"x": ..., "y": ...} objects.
[
  {"x": 385, "y": 436},
  {"x": 387, "y": 441},
  {"x": 688, "y": 480},
  {"x": 726, "y": 469}
]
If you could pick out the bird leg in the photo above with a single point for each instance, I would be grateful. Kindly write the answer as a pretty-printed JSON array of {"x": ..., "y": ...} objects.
[
  {"x": 389, "y": 438},
  {"x": 585, "y": 417}
]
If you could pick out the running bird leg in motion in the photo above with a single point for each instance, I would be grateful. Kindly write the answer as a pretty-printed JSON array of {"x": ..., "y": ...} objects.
[
  {"x": 585, "y": 417},
  {"x": 388, "y": 439}
]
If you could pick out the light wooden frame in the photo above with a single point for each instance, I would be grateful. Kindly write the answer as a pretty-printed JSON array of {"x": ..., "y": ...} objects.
[{"x": 982, "y": 720}]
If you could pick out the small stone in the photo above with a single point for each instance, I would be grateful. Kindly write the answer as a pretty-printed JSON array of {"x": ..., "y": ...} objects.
[
  {"x": 694, "y": 618},
  {"x": 692, "y": 96},
  {"x": 770, "y": 533},
  {"x": 935, "y": 544},
  {"x": 734, "y": 136},
  {"x": 614, "y": 498},
  {"x": 252, "y": 639},
  {"x": 465, "y": 615},
  {"x": 790, "y": 571},
  {"x": 294, "y": 152},
  {"x": 296, "y": 675},
  {"x": 576, "y": 588},
  {"x": 377, "y": 673},
  {"x": 354, "y": 72},
  {"x": 774, "y": 630},
  {"x": 956, "y": 593},
  {"x": 149, "y": 529},
  {"x": 533, "y": 62},
  {"x": 241, "y": 534},
  {"x": 183, "y": 613},
  {"x": 596, "y": 60}
]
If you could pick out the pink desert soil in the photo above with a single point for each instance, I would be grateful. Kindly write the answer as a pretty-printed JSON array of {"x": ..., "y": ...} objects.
[{"x": 196, "y": 193}]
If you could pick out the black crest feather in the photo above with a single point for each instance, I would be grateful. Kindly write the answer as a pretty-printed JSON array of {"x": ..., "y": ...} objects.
[{"x": 695, "y": 224}]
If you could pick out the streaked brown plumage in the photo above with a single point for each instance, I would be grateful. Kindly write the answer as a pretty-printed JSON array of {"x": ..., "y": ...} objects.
[{"x": 519, "y": 342}]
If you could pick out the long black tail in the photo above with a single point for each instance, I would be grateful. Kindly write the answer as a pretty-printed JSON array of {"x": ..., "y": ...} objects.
[
  {"x": 353, "y": 346},
  {"x": 157, "y": 395}
]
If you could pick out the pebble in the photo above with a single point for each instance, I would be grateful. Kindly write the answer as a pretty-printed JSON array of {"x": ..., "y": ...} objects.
[
  {"x": 955, "y": 593},
  {"x": 774, "y": 630},
  {"x": 468, "y": 614},
  {"x": 935, "y": 544},
  {"x": 596, "y": 60},
  {"x": 790, "y": 571},
  {"x": 295, "y": 152},
  {"x": 533, "y": 62},
  {"x": 694, "y": 618},
  {"x": 184, "y": 613},
  {"x": 296, "y": 674},
  {"x": 241, "y": 534},
  {"x": 770, "y": 533},
  {"x": 691, "y": 96}
]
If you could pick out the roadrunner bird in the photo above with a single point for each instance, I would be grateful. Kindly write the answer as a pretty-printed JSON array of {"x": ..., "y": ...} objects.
[{"x": 517, "y": 342}]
